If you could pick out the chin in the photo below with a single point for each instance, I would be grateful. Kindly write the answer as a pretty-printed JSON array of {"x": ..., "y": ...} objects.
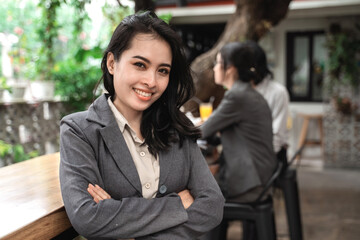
[{"x": 142, "y": 107}]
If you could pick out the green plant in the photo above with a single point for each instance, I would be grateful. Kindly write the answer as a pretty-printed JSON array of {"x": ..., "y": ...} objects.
[
  {"x": 343, "y": 68},
  {"x": 54, "y": 32},
  {"x": 4, "y": 85},
  {"x": 75, "y": 79},
  {"x": 115, "y": 15},
  {"x": 5, "y": 149},
  {"x": 16, "y": 152},
  {"x": 19, "y": 154},
  {"x": 166, "y": 17},
  {"x": 47, "y": 33},
  {"x": 343, "y": 65},
  {"x": 21, "y": 22}
]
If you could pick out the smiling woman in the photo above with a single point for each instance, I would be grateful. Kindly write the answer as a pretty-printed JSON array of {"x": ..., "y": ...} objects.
[
  {"x": 141, "y": 76},
  {"x": 130, "y": 166}
]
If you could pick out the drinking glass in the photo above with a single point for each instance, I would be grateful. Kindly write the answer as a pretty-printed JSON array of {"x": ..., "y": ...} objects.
[{"x": 205, "y": 110}]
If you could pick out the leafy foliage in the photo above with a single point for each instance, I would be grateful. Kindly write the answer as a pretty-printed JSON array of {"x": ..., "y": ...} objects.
[
  {"x": 47, "y": 32},
  {"x": 18, "y": 17},
  {"x": 115, "y": 15},
  {"x": 57, "y": 43},
  {"x": 3, "y": 84},
  {"x": 343, "y": 48},
  {"x": 5, "y": 149},
  {"x": 166, "y": 17},
  {"x": 16, "y": 152},
  {"x": 76, "y": 78},
  {"x": 19, "y": 154}
]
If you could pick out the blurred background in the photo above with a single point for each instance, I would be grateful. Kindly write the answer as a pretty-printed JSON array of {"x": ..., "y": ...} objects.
[{"x": 50, "y": 63}]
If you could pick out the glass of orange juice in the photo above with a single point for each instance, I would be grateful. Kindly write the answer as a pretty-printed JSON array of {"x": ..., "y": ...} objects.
[{"x": 205, "y": 110}]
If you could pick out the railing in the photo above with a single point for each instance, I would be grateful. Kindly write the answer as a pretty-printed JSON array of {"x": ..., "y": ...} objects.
[{"x": 34, "y": 125}]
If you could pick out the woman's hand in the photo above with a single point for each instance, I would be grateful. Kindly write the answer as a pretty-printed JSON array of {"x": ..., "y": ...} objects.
[
  {"x": 186, "y": 198},
  {"x": 97, "y": 193}
]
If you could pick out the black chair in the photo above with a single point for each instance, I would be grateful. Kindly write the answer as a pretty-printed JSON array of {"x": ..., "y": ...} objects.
[
  {"x": 287, "y": 182},
  {"x": 261, "y": 212}
]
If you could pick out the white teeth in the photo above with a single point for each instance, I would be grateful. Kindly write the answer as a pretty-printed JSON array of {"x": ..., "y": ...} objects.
[{"x": 144, "y": 94}]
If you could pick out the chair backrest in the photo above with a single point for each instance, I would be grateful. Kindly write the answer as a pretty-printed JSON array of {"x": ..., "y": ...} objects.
[
  {"x": 296, "y": 155},
  {"x": 270, "y": 182}
]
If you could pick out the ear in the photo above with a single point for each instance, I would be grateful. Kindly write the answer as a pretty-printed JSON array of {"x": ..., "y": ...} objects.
[
  {"x": 231, "y": 71},
  {"x": 110, "y": 62}
]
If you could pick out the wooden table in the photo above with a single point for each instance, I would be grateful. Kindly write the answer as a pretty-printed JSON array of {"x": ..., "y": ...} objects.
[{"x": 31, "y": 206}]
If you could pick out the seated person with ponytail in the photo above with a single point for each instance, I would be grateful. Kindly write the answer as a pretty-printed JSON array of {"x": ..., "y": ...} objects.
[{"x": 243, "y": 119}]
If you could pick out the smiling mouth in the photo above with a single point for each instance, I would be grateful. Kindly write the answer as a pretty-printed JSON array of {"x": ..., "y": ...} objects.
[{"x": 142, "y": 93}]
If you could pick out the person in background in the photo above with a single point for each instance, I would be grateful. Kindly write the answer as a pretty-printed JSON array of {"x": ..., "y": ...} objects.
[
  {"x": 277, "y": 97},
  {"x": 243, "y": 119},
  {"x": 130, "y": 166}
]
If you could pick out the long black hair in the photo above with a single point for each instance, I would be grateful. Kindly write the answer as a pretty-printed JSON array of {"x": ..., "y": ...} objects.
[{"x": 163, "y": 122}]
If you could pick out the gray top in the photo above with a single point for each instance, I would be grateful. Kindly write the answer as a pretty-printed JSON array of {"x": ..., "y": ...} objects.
[
  {"x": 93, "y": 150},
  {"x": 244, "y": 120}
]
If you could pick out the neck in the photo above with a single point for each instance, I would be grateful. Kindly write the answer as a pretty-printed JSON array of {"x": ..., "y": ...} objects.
[
  {"x": 135, "y": 124},
  {"x": 252, "y": 84},
  {"x": 133, "y": 118},
  {"x": 229, "y": 83}
]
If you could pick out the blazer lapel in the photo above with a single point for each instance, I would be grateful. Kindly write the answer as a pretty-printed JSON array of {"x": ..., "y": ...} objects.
[
  {"x": 121, "y": 154},
  {"x": 101, "y": 113}
]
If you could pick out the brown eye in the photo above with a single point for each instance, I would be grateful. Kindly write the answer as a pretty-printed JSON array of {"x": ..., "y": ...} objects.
[
  {"x": 139, "y": 64},
  {"x": 164, "y": 71}
]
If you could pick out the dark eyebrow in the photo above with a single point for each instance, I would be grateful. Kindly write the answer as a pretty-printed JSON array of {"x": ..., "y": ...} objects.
[{"x": 148, "y": 61}]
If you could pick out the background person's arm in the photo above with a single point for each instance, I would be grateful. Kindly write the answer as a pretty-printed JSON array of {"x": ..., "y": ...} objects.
[{"x": 224, "y": 115}]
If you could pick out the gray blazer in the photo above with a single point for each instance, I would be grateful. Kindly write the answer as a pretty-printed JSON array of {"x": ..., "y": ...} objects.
[
  {"x": 244, "y": 120},
  {"x": 93, "y": 150}
]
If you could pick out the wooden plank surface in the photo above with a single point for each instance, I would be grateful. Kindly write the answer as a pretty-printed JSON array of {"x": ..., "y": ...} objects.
[{"x": 30, "y": 199}]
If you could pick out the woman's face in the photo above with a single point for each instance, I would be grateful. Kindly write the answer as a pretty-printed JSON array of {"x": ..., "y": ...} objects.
[
  {"x": 141, "y": 74},
  {"x": 219, "y": 73}
]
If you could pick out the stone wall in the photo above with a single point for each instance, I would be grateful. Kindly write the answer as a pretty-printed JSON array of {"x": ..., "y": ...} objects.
[
  {"x": 341, "y": 139},
  {"x": 35, "y": 126}
]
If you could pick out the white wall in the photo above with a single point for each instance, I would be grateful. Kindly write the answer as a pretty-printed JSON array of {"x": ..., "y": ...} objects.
[{"x": 277, "y": 37}]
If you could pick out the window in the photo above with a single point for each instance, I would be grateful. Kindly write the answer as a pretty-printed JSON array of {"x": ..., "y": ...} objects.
[{"x": 306, "y": 56}]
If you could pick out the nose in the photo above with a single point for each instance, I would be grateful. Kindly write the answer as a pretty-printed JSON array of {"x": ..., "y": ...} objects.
[{"x": 150, "y": 79}]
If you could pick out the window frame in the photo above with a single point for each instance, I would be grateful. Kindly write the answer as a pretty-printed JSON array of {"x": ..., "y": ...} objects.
[{"x": 290, "y": 41}]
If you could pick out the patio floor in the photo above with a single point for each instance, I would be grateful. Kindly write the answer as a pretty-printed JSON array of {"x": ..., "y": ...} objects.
[{"x": 330, "y": 204}]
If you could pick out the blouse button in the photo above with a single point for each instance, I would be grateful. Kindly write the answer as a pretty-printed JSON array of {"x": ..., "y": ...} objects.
[
  {"x": 147, "y": 185},
  {"x": 142, "y": 154}
]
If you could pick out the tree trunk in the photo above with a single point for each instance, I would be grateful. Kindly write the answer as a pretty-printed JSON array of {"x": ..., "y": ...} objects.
[
  {"x": 251, "y": 20},
  {"x": 142, "y": 5}
]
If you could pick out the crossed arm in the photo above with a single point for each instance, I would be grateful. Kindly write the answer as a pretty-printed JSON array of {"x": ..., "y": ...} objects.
[
  {"x": 99, "y": 194},
  {"x": 172, "y": 216}
]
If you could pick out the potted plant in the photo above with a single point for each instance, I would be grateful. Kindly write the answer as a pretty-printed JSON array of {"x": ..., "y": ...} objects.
[
  {"x": 52, "y": 55},
  {"x": 343, "y": 68},
  {"x": 15, "y": 152},
  {"x": 4, "y": 87},
  {"x": 76, "y": 79}
]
